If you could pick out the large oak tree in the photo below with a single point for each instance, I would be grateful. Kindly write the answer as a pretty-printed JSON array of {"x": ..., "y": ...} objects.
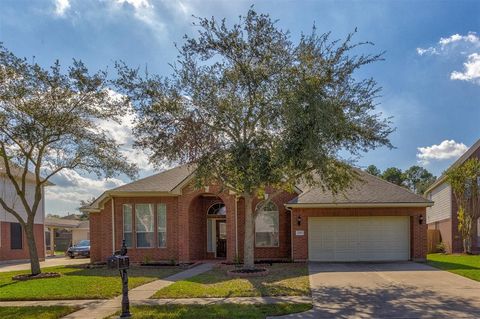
[
  {"x": 252, "y": 109},
  {"x": 49, "y": 123}
]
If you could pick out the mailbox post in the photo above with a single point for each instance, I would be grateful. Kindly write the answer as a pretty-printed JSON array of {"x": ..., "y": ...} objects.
[{"x": 121, "y": 262}]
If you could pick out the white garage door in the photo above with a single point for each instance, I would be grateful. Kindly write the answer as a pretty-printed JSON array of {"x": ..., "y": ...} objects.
[{"x": 378, "y": 238}]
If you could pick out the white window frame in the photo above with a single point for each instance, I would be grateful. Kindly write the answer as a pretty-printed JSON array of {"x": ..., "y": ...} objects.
[
  {"x": 153, "y": 232},
  {"x": 131, "y": 232},
  {"x": 158, "y": 224},
  {"x": 277, "y": 212}
]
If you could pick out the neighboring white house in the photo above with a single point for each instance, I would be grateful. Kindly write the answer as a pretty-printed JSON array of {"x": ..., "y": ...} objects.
[{"x": 13, "y": 243}]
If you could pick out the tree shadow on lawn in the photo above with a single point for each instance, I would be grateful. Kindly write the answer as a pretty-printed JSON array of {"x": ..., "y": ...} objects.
[
  {"x": 132, "y": 272},
  {"x": 263, "y": 286},
  {"x": 444, "y": 265},
  {"x": 391, "y": 301}
]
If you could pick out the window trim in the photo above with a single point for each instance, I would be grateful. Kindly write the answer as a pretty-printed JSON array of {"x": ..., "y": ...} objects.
[
  {"x": 142, "y": 232},
  {"x": 157, "y": 231},
  {"x": 277, "y": 211},
  {"x": 21, "y": 237},
  {"x": 132, "y": 232}
]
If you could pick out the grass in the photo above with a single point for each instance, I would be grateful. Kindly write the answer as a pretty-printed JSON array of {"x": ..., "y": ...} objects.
[
  {"x": 227, "y": 311},
  {"x": 53, "y": 312},
  {"x": 76, "y": 283},
  {"x": 463, "y": 265},
  {"x": 283, "y": 280}
]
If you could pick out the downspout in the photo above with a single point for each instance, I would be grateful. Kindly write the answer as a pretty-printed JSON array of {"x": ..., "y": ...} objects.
[{"x": 113, "y": 226}]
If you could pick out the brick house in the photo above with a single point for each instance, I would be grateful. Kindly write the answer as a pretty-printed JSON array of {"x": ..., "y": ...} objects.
[
  {"x": 162, "y": 217},
  {"x": 13, "y": 241},
  {"x": 443, "y": 214}
]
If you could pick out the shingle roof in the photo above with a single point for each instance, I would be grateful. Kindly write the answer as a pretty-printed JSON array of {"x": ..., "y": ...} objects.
[
  {"x": 367, "y": 190},
  {"x": 164, "y": 181}
]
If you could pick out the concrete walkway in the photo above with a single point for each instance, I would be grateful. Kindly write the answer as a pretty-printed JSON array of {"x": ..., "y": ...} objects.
[
  {"x": 49, "y": 262},
  {"x": 109, "y": 307}
]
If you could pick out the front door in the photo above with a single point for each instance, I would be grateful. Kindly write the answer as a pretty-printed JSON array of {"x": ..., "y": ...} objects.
[{"x": 221, "y": 226}]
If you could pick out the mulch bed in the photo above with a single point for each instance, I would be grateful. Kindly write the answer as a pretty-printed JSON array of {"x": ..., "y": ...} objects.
[
  {"x": 246, "y": 273},
  {"x": 43, "y": 275}
]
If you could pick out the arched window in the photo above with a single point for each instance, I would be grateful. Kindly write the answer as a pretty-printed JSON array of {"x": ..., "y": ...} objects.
[
  {"x": 217, "y": 209},
  {"x": 266, "y": 226}
]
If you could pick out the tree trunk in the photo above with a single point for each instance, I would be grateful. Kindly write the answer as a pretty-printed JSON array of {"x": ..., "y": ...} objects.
[
  {"x": 32, "y": 249},
  {"x": 248, "y": 249}
]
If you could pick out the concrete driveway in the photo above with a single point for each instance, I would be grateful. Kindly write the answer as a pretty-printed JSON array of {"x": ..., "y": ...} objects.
[
  {"x": 49, "y": 262},
  {"x": 390, "y": 290}
]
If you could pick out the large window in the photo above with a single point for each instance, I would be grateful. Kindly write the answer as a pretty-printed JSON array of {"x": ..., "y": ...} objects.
[
  {"x": 162, "y": 225},
  {"x": 127, "y": 225},
  {"x": 16, "y": 236},
  {"x": 266, "y": 226},
  {"x": 144, "y": 225}
]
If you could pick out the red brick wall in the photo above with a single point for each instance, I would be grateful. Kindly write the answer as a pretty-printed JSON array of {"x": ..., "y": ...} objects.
[
  {"x": 101, "y": 231},
  {"x": 281, "y": 252},
  {"x": 418, "y": 233},
  {"x": 18, "y": 254}
]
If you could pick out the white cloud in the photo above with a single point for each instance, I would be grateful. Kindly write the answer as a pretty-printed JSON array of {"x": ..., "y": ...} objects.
[
  {"x": 71, "y": 187},
  {"x": 136, "y": 3},
  {"x": 471, "y": 37},
  {"x": 61, "y": 6},
  {"x": 471, "y": 71},
  {"x": 447, "y": 149},
  {"x": 458, "y": 45}
]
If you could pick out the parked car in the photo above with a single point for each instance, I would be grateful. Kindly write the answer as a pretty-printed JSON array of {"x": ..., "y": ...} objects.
[{"x": 80, "y": 249}]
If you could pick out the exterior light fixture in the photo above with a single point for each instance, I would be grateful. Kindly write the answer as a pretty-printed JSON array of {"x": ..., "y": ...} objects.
[
  {"x": 420, "y": 219},
  {"x": 299, "y": 220}
]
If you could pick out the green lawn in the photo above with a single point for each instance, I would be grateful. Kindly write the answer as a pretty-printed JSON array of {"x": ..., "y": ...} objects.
[
  {"x": 53, "y": 312},
  {"x": 76, "y": 283},
  {"x": 283, "y": 280},
  {"x": 223, "y": 311},
  {"x": 463, "y": 265}
]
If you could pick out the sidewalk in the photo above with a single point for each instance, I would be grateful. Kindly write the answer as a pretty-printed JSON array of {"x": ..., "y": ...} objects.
[
  {"x": 109, "y": 307},
  {"x": 49, "y": 262}
]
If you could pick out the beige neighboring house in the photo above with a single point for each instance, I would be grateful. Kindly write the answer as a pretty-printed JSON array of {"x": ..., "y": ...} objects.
[
  {"x": 442, "y": 216},
  {"x": 57, "y": 229},
  {"x": 13, "y": 241}
]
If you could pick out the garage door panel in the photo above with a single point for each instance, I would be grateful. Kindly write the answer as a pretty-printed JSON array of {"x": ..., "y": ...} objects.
[{"x": 359, "y": 238}]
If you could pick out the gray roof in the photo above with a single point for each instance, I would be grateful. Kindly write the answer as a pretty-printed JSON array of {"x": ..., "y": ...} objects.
[
  {"x": 368, "y": 189},
  {"x": 462, "y": 159},
  {"x": 165, "y": 181}
]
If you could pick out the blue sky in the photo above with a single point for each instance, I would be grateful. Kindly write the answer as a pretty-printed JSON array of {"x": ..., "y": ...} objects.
[{"x": 430, "y": 76}]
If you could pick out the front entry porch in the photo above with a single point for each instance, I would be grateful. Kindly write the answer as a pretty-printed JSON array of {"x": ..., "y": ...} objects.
[{"x": 209, "y": 230}]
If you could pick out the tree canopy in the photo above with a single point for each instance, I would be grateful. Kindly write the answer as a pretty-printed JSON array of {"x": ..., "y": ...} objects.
[
  {"x": 415, "y": 178},
  {"x": 252, "y": 109},
  {"x": 48, "y": 123},
  {"x": 465, "y": 182}
]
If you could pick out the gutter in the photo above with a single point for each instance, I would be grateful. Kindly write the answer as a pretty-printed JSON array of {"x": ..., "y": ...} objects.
[{"x": 357, "y": 205}]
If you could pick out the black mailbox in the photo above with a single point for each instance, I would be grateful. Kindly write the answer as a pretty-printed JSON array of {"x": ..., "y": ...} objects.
[{"x": 118, "y": 262}]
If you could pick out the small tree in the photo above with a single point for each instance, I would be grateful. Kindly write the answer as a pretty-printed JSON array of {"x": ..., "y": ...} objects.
[
  {"x": 393, "y": 175},
  {"x": 373, "y": 170},
  {"x": 464, "y": 180},
  {"x": 48, "y": 123},
  {"x": 418, "y": 179},
  {"x": 250, "y": 109}
]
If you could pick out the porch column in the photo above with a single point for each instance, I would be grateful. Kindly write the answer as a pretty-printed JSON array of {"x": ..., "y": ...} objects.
[
  {"x": 52, "y": 241},
  {"x": 183, "y": 228}
]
